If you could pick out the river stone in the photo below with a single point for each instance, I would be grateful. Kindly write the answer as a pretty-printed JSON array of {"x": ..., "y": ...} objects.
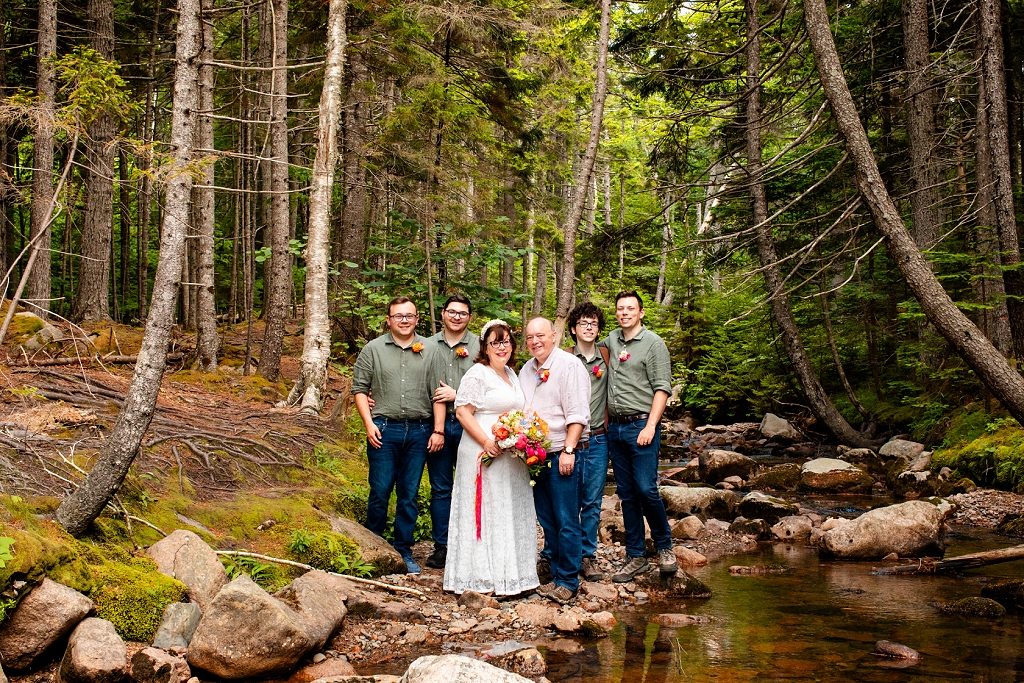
[
  {"x": 778, "y": 428},
  {"x": 374, "y": 549},
  {"x": 758, "y": 528},
  {"x": 717, "y": 465},
  {"x": 679, "y": 585},
  {"x": 335, "y": 667},
  {"x": 703, "y": 502},
  {"x": 680, "y": 620},
  {"x": 758, "y": 505},
  {"x": 318, "y": 599},
  {"x": 785, "y": 477},
  {"x": 178, "y": 625},
  {"x": 456, "y": 668},
  {"x": 900, "y": 448},
  {"x": 1008, "y": 592},
  {"x": 913, "y": 485},
  {"x": 829, "y": 474},
  {"x": 95, "y": 654},
  {"x": 985, "y": 608},
  {"x": 687, "y": 474},
  {"x": 184, "y": 556},
  {"x": 887, "y": 648},
  {"x": 795, "y": 528},
  {"x": 600, "y": 591},
  {"x": 475, "y": 602},
  {"x": 687, "y": 528},
  {"x": 911, "y": 529},
  {"x": 921, "y": 463},
  {"x": 868, "y": 460},
  {"x": 46, "y": 614},
  {"x": 153, "y": 665},
  {"x": 248, "y": 634},
  {"x": 606, "y": 620},
  {"x": 537, "y": 614},
  {"x": 689, "y": 558}
]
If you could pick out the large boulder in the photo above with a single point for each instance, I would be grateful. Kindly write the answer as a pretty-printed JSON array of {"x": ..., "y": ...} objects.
[
  {"x": 153, "y": 665},
  {"x": 457, "y": 669},
  {"x": 703, "y": 502},
  {"x": 778, "y": 429},
  {"x": 716, "y": 465},
  {"x": 183, "y": 555},
  {"x": 868, "y": 460},
  {"x": 374, "y": 549},
  {"x": 41, "y": 332},
  {"x": 900, "y": 448},
  {"x": 47, "y": 613},
  {"x": 246, "y": 634},
  {"x": 687, "y": 528},
  {"x": 911, "y": 485},
  {"x": 318, "y": 599},
  {"x": 785, "y": 477},
  {"x": 758, "y": 505},
  {"x": 178, "y": 625},
  {"x": 795, "y": 529},
  {"x": 95, "y": 654},
  {"x": 911, "y": 529},
  {"x": 831, "y": 475}
]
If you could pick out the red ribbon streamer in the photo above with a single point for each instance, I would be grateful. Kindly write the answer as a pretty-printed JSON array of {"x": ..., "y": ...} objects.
[{"x": 479, "y": 492}]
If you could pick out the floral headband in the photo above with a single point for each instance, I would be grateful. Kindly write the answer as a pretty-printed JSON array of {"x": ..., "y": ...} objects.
[{"x": 491, "y": 323}]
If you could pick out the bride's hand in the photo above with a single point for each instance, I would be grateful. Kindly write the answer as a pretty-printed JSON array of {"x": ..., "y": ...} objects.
[{"x": 491, "y": 448}]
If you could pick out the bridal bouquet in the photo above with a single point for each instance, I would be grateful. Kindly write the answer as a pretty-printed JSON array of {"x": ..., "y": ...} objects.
[{"x": 524, "y": 435}]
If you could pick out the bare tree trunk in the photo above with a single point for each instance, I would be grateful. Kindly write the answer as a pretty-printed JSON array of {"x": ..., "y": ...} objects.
[
  {"x": 820, "y": 402},
  {"x": 1002, "y": 380},
  {"x": 92, "y": 301},
  {"x": 78, "y": 510},
  {"x": 316, "y": 347},
  {"x": 37, "y": 288},
  {"x": 666, "y": 239},
  {"x": 567, "y": 279},
  {"x": 207, "y": 341},
  {"x": 124, "y": 213},
  {"x": 280, "y": 285},
  {"x": 622, "y": 225},
  {"x": 144, "y": 162},
  {"x": 993, "y": 81}
]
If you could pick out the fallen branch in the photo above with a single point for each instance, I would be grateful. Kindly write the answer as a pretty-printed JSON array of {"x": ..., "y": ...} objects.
[
  {"x": 959, "y": 563},
  {"x": 120, "y": 359},
  {"x": 300, "y": 565}
]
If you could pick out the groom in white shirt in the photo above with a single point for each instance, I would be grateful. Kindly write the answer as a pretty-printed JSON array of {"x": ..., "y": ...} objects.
[{"x": 557, "y": 388}]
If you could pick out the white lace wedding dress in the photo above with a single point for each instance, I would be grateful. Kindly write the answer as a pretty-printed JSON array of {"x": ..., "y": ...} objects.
[{"x": 504, "y": 559}]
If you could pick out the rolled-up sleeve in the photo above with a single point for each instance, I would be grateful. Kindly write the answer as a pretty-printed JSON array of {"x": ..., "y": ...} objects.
[
  {"x": 362, "y": 372},
  {"x": 575, "y": 392},
  {"x": 659, "y": 367}
]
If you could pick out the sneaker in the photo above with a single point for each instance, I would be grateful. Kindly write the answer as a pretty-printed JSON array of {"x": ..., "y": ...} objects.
[
  {"x": 438, "y": 558},
  {"x": 561, "y": 595},
  {"x": 636, "y": 565},
  {"x": 545, "y": 589},
  {"x": 589, "y": 571},
  {"x": 543, "y": 568},
  {"x": 667, "y": 561},
  {"x": 410, "y": 565}
]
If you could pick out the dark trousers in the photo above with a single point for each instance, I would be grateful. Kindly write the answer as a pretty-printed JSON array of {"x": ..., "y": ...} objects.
[
  {"x": 441, "y": 470},
  {"x": 557, "y": 501},
  {"x": 595, "y": 473},
  {"x": 636, "y": 482},
  {"x": 397, "y": 465}
]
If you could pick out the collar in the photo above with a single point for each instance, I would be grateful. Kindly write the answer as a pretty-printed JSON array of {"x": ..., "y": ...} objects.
[
  {"x": 390, "y": 339},
  {"x": 638, "y": 337},
  {"x": 579, "y": 354},
  {"x": 464, "y": 340}
]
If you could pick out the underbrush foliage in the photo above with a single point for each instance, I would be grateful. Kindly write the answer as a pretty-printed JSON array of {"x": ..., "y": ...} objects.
[
  {"x": 328, "y": 551},
  {"x": 990, "y": 455}
]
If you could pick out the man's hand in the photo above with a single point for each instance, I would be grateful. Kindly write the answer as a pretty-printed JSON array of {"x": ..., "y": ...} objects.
[
  {"x": 566, "y": 463},
  {"x": 444, "y": 394},
  {"x": 436, "y": 443},
  {"x": 369, "y": 401},
  {"x": 646, "y": 435},
  {"x": 373, "y": 435}
]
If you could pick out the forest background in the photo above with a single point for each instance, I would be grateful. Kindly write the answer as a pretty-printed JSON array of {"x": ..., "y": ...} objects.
[{"x": 720, "y": 183}]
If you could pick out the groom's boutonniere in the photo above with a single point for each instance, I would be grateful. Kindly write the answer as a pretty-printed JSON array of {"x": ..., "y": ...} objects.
[
  {"x": 461, "y": 351},
  {"x": 598, "y": 372},
  {"x": 624, "y": 356},
  {"x": 417, "y": 347},
  {"x": 543, "y": 376}
]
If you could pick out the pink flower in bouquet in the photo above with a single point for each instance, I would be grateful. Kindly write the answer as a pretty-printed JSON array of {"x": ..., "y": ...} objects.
[
  {"x": 542, "y": 454},
  {"x": 531, "y": 451},
  {"x": 522, "y": 442}
]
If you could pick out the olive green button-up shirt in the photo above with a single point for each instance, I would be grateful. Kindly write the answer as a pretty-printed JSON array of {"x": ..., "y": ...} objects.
[
  {"x": 633, "y": 381},
  {"x": 449, "y": 367},
  {"x": 399, "y": 379},
  {"x": 598, "y": 387}
]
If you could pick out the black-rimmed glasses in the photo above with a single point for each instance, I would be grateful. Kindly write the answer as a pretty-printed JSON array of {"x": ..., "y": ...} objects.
[
  {"x": 403, "y": 317},
  {"x": 500, "y": 344},
  {"x": 457, "y": 314}
]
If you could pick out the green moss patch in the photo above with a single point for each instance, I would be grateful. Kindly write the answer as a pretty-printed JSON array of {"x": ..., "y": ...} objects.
[
  {"x": 994, "y": 458},
  {"x": 133, "y": 597}
]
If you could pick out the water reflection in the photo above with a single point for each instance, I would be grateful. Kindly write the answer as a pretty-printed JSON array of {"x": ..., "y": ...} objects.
[{"x": 818, "y": 622}]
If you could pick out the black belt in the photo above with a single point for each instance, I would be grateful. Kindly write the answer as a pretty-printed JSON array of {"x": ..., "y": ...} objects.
[
  {"x": 599, "y": 432},
  {"x": 415, "y": 420},
  {"x": 624, "y": 419}
]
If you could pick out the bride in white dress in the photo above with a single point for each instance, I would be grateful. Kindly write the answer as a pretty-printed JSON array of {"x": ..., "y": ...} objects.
[{"x": 503, "y": 560}]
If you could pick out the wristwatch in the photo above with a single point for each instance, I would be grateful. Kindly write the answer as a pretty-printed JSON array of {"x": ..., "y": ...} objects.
[{"x": 569, "y": 451}]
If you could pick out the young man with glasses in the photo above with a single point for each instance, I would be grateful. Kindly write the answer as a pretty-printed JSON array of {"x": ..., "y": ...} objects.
[
  {"x": 454, "y": 348},
  {"x": 586, "y": 322},
  {"x": 401, "y": 427},
  {"x": 639, "y": 383}
]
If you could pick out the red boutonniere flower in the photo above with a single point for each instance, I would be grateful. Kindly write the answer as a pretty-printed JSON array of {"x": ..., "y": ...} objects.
[
  {"x": 624, "y": 356},
  {"x": 461, "y": 351},
  {"x": 598, "y": 372},
  {"x": 543, "y": 375},
  {"x": 417, "y": 347}
]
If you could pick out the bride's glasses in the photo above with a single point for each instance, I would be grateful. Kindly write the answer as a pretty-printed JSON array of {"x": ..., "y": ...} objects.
[{"x": 500, "y": 344}]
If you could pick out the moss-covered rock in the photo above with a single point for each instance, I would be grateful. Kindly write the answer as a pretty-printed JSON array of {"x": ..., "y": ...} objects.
[
  {"x": 995, "y": 458},
  {"x": 984, "y": 608},
  {"x": 133, "y": 597},
  {"x": 1008, "y": 592},
  {"x": 784, "y": 477}
]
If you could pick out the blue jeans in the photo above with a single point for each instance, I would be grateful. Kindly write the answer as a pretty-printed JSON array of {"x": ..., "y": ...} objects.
[
  {"x": 557, "y": 501},
  {"x": 595, "y": 473},
  {"x": 636, "y": 482},
  {"x": 397, "y": 465},
  {"x": 441, "y": 470}
]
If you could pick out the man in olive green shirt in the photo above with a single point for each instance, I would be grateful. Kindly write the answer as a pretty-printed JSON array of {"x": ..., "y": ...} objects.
[
  {"x": 400, "y": 428},
  {"x": 639, "y": 383},
  {"x": 454, "y": 349}
]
